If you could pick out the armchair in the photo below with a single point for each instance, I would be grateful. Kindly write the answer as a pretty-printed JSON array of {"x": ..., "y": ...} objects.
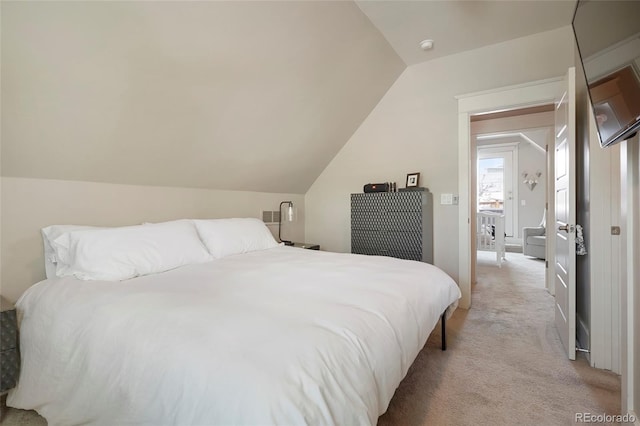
[{"x": 534, "y": 240}]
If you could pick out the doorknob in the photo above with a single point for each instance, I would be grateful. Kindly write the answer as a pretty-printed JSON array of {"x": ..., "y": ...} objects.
[{"x": 566, "y": 228}]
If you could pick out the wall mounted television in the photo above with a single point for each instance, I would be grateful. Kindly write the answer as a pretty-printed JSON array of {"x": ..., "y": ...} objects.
[{"x": 608, "y": 36}]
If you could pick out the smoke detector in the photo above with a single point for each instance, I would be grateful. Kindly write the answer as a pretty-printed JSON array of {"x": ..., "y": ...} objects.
[{"x": 426, "y": 44}]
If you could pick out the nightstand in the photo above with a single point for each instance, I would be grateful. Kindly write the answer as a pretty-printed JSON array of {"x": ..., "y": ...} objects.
[
  {"x": 308, "y": 246},
  {"x": 9, "y": 356}
]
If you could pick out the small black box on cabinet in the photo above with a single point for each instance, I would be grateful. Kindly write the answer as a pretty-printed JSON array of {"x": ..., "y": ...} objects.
[{"x": 377, "y": 187}]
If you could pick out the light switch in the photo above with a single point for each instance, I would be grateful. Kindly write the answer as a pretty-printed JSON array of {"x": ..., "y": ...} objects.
[
  {"x": 446, "y": 198},
  {"x": 523, "y": 202}
]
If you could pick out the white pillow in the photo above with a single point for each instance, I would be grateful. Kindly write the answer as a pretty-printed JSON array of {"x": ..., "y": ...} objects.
[
  {"x": 49, "y": 234},
  {"x": 224, "y": 237},
  {"x": 114, "y": 254}
]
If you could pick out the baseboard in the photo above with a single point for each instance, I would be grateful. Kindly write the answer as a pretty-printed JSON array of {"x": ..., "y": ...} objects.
[
  {"x": 582, "y": 336},
  {"x": 512, "y": 248}
]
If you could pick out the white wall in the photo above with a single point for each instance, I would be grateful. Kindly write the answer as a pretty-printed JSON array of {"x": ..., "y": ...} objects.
[
  {"x": 31, "y": 204},
  {"x": 531, "y": 160},
  {"x": 414, "y": 129},
  {"x": 635, "y": 277},
  {"x": 632, "y": 275},
  {"x": 630, "y": 291}
]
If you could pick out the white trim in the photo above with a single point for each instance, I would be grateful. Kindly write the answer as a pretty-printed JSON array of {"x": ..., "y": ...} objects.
[
  {"x": 522, "y": 95},
  {"x": 532, "y": 142},
  {"x": 616, "y": 262},
  {"x": 630, "y": 155},
  {"x": 550, "y": 248},
  {"x": 464, "y": 212},
  {"x": 496, "y": 145},
  {"x": 630, "y": 205},
  {"x": 500, "y": 135},
  {"x": 572, "y": 209},
  {"x": 529, "y": 84},
  {"x": 604, "y": 251}
]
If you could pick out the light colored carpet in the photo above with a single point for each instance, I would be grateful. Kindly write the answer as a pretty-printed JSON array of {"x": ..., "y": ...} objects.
[
  {"x": 15, "y": 417},
  {"x": 505, "y": 364}
]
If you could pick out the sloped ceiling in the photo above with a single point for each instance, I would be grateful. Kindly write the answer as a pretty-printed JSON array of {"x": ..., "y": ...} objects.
[
  {"x": 232, "y": 95},
  {"x": 457, "y": 26}
]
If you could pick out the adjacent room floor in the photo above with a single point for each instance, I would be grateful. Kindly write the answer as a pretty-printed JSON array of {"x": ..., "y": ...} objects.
[{"x": 504, "y": 365}]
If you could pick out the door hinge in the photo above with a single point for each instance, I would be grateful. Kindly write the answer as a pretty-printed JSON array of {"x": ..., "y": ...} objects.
[
  {"x": 546, "y": 264},
  {"x": 546, "y": 148}
]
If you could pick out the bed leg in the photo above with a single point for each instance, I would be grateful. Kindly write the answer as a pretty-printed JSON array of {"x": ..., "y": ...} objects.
[{"x": 444, "y": 335}]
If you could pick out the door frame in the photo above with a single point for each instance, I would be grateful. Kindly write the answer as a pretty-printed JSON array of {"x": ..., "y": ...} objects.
[
  {"x": 629, "y": 309},
  {"x": 510, "y": 97}
]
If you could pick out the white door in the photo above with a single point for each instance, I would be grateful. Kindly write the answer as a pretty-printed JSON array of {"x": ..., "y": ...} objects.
[
  {"x": 496, "y": 185},
  {"x": 565, "y": 215}
]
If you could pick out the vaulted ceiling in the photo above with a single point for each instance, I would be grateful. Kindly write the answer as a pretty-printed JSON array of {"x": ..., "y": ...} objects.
[
  {"x": 233, "y": 95},
  {"x": 459, "y": 25},
  {"x": 253, "y": 96}
]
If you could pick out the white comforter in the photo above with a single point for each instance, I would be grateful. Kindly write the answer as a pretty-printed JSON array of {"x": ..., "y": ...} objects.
[{"x": 281, "y": 336}]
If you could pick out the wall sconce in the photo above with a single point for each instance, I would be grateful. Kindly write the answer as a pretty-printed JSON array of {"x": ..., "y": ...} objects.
[
  {"x": 530, "y": 180},
  {"x": 288, "y": 217}
]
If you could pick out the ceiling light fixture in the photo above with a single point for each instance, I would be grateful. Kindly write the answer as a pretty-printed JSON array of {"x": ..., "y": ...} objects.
[{"x": 426, "y": 44}]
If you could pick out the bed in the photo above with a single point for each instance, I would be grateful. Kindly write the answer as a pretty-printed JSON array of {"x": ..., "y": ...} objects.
[
  {"x": 275, "y": 336},
  {"x": 490, "y": 234}
]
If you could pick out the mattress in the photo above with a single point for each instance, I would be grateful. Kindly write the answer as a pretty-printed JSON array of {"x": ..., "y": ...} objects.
[{"x": 278, "y": 336}]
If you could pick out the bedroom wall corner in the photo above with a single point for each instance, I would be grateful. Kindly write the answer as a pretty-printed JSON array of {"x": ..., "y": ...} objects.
[
  {"x": 414, "y": 128},
  {"x": 27, "y": 205}
]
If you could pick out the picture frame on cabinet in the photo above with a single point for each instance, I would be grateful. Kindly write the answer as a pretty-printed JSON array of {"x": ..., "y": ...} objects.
[{"x": 413, "y": 180}]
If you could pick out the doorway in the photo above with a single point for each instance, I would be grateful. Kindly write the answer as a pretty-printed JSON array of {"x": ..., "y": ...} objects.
[
  {"x": 496, "y": 184},
  {"x": 512, "y": 144},
  {"x": 519, "y": 96}
]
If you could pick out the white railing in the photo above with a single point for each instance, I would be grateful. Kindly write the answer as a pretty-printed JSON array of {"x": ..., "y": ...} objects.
[{"x": 490, "y": 234}]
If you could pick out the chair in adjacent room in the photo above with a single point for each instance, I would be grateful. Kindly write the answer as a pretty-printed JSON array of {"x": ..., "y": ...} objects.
[{"x": 534, "y": 239}]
